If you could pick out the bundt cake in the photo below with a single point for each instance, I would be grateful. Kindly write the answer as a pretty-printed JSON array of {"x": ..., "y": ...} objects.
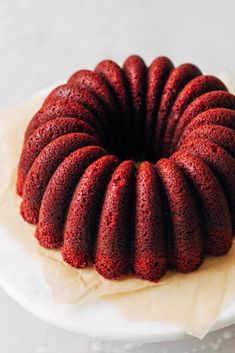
[{"x": 131, "y": 170}]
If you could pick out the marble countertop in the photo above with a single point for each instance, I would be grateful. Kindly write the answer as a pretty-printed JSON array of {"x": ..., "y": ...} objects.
[{"x": 43, "y": 42}]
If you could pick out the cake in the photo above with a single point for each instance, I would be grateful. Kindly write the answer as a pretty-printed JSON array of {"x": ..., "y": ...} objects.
[{"x": 131, "y": 169}]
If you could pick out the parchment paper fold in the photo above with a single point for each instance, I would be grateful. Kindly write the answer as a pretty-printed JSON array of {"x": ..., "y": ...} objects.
[{"x": 191, "y": 301}]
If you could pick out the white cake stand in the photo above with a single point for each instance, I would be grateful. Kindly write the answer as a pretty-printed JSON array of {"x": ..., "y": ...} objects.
[{"x": 22, "y": 278}]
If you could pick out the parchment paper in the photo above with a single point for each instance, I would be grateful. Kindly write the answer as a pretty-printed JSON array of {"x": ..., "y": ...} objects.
[{"x": 192, "y": 301}]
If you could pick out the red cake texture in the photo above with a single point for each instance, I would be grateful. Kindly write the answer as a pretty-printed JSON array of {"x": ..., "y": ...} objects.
[
  {"x": 222, "y": 164},
  {"x": 194, "y": 89},
  {"x": 215, "y": 99},
  {"x": 214, "y": 214},
  {"x": 184, "y": 233},
  {"x": 221, "y": 135},
  {"x": 150, "y": 244},
  {"x": 177, "y": 80},
  {"x": 57, "y": 197},
  {"x": 87, "y": 99},
  {"x": 115, "y": 78},
  {"x": 95, "y": 84},
  {"x": 42, "y": 136},
  {"x": 130, "y": 169},
  {"x": 84, "y": 211},
  {"x": 217, "y": 116},
  {"x": 44, "y": 167},
  {"x": 136, "y": 75},
  {"x": 158, "y": 74},
  {"x": 112, "y": 257},
  {"x": 60, "y": 108}
]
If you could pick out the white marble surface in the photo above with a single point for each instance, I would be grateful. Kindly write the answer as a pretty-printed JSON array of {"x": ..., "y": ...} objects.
[{"x": 44, "y": 41}]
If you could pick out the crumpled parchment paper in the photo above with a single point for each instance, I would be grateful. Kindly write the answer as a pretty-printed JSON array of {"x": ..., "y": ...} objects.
[{"x": 192, "y": 301}]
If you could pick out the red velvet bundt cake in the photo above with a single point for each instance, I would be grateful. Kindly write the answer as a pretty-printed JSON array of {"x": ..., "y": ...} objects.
[{"x": 132, "y": 170}]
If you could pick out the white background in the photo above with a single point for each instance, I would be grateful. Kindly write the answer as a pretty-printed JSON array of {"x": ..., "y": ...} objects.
[{"x": 43, "y": 42}]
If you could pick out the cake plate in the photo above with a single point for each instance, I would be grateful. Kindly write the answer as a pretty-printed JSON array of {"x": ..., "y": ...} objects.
[{"x": 21, "y": 276}]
